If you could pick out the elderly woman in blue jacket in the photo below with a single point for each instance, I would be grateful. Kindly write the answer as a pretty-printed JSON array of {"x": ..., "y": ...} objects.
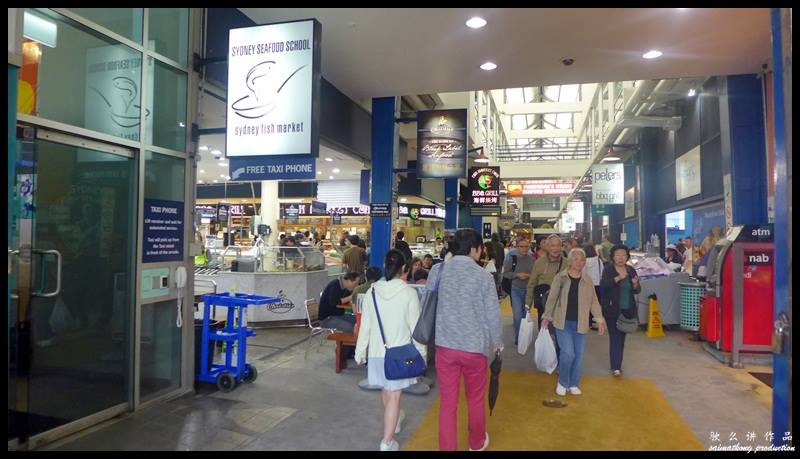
[{"x": 619, "y": 283}]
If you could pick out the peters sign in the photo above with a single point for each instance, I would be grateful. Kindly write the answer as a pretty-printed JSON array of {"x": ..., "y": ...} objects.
[{"x": 608, "y": 184}]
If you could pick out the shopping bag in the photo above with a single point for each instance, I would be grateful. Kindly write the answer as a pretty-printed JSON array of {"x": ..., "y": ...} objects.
[
  {"x": 61, "y": 320},
  {"x": 527, "y": 333},
  {"x": 426, "y": 324},
  {"x": 544, "y": 353}
]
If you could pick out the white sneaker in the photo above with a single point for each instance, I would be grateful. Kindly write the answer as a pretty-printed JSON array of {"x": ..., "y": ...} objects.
[
  {"x": 485, "y": 444},
  {"x": 391, "y": 446},
  {"x": 617, "y": 373},
  {"x": 400, "y": 420},
  {"x": 574, "y": 390},
  {"x": 561, "y": 390}
]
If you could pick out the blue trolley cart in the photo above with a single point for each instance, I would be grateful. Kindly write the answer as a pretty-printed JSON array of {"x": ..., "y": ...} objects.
[{"x": 228, "y": 375}]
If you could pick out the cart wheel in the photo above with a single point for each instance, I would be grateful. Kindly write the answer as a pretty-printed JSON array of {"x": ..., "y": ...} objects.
[
  {"x": 251, "y": 375},
  {"x": 226, "y": 382}
]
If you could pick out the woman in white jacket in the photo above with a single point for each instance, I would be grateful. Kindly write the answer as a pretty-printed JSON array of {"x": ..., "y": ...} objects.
[{"x": 399, "y": 310}]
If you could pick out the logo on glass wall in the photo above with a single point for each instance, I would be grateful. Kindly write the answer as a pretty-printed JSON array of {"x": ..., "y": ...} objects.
[
  {"x": 413, "y": 213},
  {"x": 120, "y": 102},
  {"x": 265, "y": 85}
]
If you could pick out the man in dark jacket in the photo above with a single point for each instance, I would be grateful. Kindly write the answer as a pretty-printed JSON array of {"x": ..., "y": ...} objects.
[
  {"x": 402, "y": 245},
  {"x": 619, "y": 283},
  {"x": 499, "y": 251}
]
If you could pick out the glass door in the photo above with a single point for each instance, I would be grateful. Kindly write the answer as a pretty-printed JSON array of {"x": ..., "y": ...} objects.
[{"x": 72, "y": 260}]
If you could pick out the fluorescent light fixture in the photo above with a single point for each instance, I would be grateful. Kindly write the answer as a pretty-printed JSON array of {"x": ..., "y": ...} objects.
[
  {"x": 319, "y": 172},
  {"x": 39, "y": 30},
  {"x": 200, "y": 182},
  {"x": 610, "y": 158},
  {"x": 330, "y": 177},
  {"x": 216, "y": 152},
  {"x": 692, "y": 92},
  {"x": 203, "y": 147},
  {"x": 215, "y": 180},
  {"x": 335, "y": 170},
  {"x": 403, "y": 199},
  {"x": 652, "y": 54},
  {"x": 223, "y": 163},
  {"x": 476, "y": 22},
  {"x": 330, "y": 160},
  {"x": 488, "y": 66},
  {"x": 681, "y": 9}
]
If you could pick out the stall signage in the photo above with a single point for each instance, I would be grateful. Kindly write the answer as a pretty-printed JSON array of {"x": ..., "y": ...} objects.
[
  {"x": 608, "y": 184},
  {"x": 336, "y": 219},
  {"x": 163, "y": 231},
  {"x": 222, "y": 212},
  {"x": 380, "y": 210},
  {"x": 305, "y": 209},
  {"x": 272, "y": 168},
  {"x": 756, "y": 233},
  {"x": 758, "y": 258},
  {"x": 273, "y": 90},
  {"x": 599, "y": 209},
  {"x": 291, "y": 212},
  {"x": 242, "y": 210},
  {"x": 484, "y": 186},
  {"x": 441, "y": 143},
  {"x": 319, "y": 208},
  {"x": 539, "y": 187},
  {"x": 416, "y": 211},
  {"x": 206, "y": 211}
]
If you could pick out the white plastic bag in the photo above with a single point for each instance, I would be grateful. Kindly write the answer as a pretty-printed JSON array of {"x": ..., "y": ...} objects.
[
  {"x": 527, "y": 333},
  {"x": 61, "y": 320},
  {"x": 544, "y": 353}
]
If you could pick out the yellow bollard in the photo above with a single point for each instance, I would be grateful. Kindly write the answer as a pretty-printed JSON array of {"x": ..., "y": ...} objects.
[{"x": 654, "y": 329}]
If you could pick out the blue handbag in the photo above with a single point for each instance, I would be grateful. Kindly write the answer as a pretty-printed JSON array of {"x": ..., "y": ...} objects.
[{"x": 400, "y": 362}]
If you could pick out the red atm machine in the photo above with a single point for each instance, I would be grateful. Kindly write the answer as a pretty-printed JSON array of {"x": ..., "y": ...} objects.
[{"x": 736, "y": 313}]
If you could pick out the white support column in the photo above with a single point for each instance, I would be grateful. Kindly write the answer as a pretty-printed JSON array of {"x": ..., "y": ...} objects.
[{"x": 270, "y": 209}]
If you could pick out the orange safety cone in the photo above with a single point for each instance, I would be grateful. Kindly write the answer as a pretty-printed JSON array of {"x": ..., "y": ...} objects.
[{"x": 654, "y": 329}]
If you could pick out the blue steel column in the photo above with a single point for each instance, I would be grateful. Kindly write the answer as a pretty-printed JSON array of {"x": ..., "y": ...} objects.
[
  {"x": 383, "y": 147},
  {"x": 781, "y": 384},
  {"x": 477, "y": 223},
  {"x": 451, "y": 204}
]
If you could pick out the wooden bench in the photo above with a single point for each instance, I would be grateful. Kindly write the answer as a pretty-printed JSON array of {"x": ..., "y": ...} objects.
[{"x": 342, "y": 340}]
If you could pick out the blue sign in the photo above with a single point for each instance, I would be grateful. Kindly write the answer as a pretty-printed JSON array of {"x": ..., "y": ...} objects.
[
  {"x": 163, "y": 231},
  {"x": 708, "y": 226},
  {"x": 272, "y": 168}
]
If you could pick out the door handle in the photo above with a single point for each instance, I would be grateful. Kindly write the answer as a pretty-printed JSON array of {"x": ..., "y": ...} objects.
[
  {"x": 12, "y": 253},
  {"x": 58, "y": 274}
]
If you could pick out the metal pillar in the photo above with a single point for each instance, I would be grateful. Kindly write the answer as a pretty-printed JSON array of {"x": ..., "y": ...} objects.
[
  {"x": 384, "y": 146},
  {"x": 451, "y": 204}
]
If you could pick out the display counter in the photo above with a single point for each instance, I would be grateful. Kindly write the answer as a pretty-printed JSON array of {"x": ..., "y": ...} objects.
[{"x": 667, "y": 291}]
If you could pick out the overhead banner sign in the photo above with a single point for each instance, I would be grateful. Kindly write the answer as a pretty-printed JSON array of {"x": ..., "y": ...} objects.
[
  {"x": 272, "y": 168},
  {"x": 273, "y": 90},
  {"x": 441, "y": 143},
  {"x": 608, "y": 184},
  {"x": 416, "y": 211},
  {"x": 484, "y": 186},
  {"x": 163, "y": 231},
  {"x": 687, "y": 174},
  {"x": 540, "y": 187},
  {"x": 305, "y": 210}
]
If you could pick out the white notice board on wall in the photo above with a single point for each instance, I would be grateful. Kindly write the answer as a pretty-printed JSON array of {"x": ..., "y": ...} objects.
[{"x": 687, "y": 174}]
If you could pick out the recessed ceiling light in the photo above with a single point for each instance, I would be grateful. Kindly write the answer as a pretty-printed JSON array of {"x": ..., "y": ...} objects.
[
  {"x": 681, "y": 9},
  {"x": 203, "y": 147},
  {"x": 403, "y": 199},
  {"x": 216, "y": 152},
  {"x": 330, "y": 160},
  {"x": 652, "y": 54},
  {"x": 222, "y": 175},
  {"x": 330, "y": 177},
  {"x": 692, "y": 92},
  {"x": 476, "y": 22},
  {"x": 202, "y": 171},
  {"x": 489, "y": 66},
  {"x": 319, "y": 172},
  {"x": 215, "y": 180},
  {"x": 335, "y": 170}
]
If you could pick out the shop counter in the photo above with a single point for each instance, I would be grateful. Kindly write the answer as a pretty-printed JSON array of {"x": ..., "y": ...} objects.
[
  {"x": 667, "y": 290},
  {"x": 294, "y": 287}
]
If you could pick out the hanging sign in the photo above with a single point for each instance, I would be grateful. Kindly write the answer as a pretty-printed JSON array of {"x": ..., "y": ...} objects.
[
  {"x": 516, "y": 188},
  {"x": 273, "y": 90},
  {"x": 687, "y": 174},
  {"x": 319, "y": 208},
  {"x": 484, "y": 186},
  {"x": 222, "y": 213},
  {"x": 272, "y": 168},
  {"x": 608, "y": 184},
  {"x": 336, "y": 219},
  {"x": 163, "y": 231},
  {"x": 416, "y": 211},
  {"x": 441, "y": 143}
]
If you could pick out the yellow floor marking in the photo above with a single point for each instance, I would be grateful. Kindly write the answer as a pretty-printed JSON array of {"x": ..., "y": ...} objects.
[{"x": 612, "y": 414}]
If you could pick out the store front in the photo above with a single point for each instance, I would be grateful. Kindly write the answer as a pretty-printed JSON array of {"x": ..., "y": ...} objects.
[
  {"x": 100, "y": 152},
  {"x": 422, "y": 223}
]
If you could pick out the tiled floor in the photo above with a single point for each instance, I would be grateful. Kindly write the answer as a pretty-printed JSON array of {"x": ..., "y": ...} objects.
[{"x": 302, "y": 404}]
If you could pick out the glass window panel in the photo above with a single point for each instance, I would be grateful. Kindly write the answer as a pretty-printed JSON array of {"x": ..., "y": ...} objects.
[
  {"x": 124, "y": 21},
  {"x": 551, "y": 92},
  {"x": 160, "y": 349},
  {"x": 164, "y": 177},
  {"x": 169, "y": 33},
  {"x": 86, "y": 80},
  {"x": 167, "y": 102}
]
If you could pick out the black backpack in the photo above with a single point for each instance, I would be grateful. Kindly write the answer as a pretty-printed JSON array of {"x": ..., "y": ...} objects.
[{"x": 506, "y": 283}]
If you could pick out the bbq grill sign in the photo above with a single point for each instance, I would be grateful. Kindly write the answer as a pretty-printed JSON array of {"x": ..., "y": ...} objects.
[
  {"x": 273, "y": 90},
  {"x": 484, "y": 186},
  {"x": 441, "y": 143}
]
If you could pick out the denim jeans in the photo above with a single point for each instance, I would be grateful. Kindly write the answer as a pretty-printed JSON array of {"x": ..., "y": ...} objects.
[
  {"x": 616, "y": 343},
  {"x": 570, "y": 357},
  {"x": 518, "y": 308},
  {"x": 344, "y": 323}
]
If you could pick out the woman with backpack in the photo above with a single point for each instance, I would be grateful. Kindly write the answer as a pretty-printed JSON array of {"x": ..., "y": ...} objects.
[{"x": 389, "y": 313}]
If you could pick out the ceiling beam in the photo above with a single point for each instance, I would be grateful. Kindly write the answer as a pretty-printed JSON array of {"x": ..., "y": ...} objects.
[
  {"x": 539, "y": 133},
  {"x": 543, "y": 107}
]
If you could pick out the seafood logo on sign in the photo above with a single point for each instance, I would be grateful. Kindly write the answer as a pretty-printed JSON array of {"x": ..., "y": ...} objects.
[
  {"x": 264, "y": 84},
  {"x": 283, "y": 306}
]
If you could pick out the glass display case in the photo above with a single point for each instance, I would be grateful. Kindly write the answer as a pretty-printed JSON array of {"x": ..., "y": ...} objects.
[
  {"x": 289, "y": 259},
  {"x": 420, "y": 249}
]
